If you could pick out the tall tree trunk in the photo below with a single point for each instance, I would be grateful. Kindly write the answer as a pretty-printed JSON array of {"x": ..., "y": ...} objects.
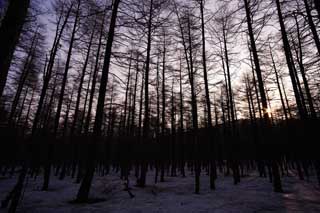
[
  {"x": 127, "y": 129},
  {"x": 126, "y": 95},
  {"x": 299, "y": 54},
  {"x": 109, "y": 134},
  {"x": 22, "y": 107},
  {"x": 256, "y": 62},
  {"x": 158, "y": 97},
  {"x": 146, "y": 120},
  {"x": 83, "y": 73},
  {"x": 285, "y": 96},
  {"x": 94, "y": 81},
  {"x": 66, "y": 119},
  {"x": 194, "y": 111},
  {"x": 173, "y": 132},
  {"x": 255, "y": 85},
  {"x": 50, "y": 107},
  {"x": 277, "y": 181},
  {"x": 133, "y": 114},
  {"x": 231, "y": 105},
  {"x": 215, "y": 112},
  {"x": 26, "y": 121},
  {"x": 141, "y": 104},
  {"x": 181, "y": 97},
  {"x": 204, "y": 63},
  {"x": 24, "y": 75},
  {"x": 226, "y": 88},
  {"x": 163, "y": 114},
  {"x": 228, "y": 84},
  {"x": 290, "y": 63},
  {"x": 66, "y": 70},
  {"x": 249, "y": 100},
  {"x": 300, "y": 91},
  {"x": 278, "y": 85},
  {"x": 47, "y": 167},
  {"x": 10, "y": 30},
  {"x": 48, "y": 70},
  {"x": 207, "y": 94},
  {"x": 83, "y": 116},
  {"x": 83, "y": 192}
]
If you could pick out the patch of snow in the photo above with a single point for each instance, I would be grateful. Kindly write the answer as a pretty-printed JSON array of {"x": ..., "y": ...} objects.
[{"x": 176, "y": 194}]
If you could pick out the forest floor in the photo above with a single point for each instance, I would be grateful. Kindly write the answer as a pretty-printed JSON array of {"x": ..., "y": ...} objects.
[{"x": 253, "y": 194}]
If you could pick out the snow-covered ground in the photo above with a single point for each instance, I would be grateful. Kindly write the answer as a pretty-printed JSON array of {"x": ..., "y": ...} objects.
[{"x": 175, "y": 195}]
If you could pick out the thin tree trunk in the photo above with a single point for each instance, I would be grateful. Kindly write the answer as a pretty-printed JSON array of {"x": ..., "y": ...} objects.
[
  {"x": 163, "y": 117},
  {"x": 204, "y": 63},
  {"x": 194, "y": 112},
  {"x": 126, "y": 94},
  {"x": 181, "y": 97},
  {"x": 255, "y": 84},
  {"x": 278, "y": 85},
  {"x": 226, "y": 89},
  {"x": 50, "y": 105},
  {"x": 249, "y": 101},
  {"x": 65, "y": 75},
  {"x": 133, "y": 114},
  {"x": 66, "y": 119},
  {"x": 285, "y": 97},
  {"x": 26, "y": 122},
  {"x": 173, "y": 132},
  {"x": 207, "y": 95},
  {"x": 94, "y": 80},
  {"x": 158, "y": 97},
  {"x": 85, "y": 102},
  {"x": 141, "y": 105},
  {"x": 300, "y": 91},
  {"x": 22, "y": 106},
  {"x": 76, "y": 111},
  {"x": 146, "y": 120}
]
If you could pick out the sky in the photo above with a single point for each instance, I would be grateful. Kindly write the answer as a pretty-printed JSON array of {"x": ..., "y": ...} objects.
[{"x": 237, "y": 47}]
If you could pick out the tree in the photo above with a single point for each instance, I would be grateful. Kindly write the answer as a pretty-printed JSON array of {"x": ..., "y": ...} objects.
[
  {"x": 83, "y": 193},
  {"x": 277, "y": 181},
  {"x": 290, "y": 63},
  {"x": 94, "y": 77},
  {"x": 48, "y": 72},
  {"x": 28, "y": 70},
  {"x": 10, "y": 30},
  {"x": 186, "y": 24},
  {"x": 82, "y": 76},
  {"x": 61, "y": 98}
]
